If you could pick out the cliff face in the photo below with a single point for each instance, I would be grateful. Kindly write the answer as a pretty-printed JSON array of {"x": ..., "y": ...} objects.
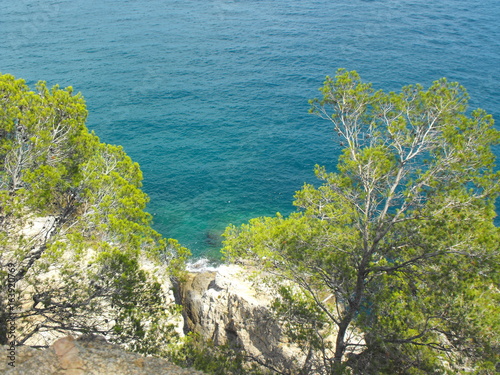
[
  {"x": 223, "y": 306},
  {"x": 84, "y": 356}
]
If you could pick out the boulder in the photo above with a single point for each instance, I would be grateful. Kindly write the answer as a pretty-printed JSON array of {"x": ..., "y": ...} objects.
[{"x": 87, "y": 355}]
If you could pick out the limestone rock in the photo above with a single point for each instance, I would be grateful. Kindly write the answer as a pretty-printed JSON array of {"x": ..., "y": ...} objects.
[
  {"x": 86, "y": 356},
  {"x": 225, "y": 307}
]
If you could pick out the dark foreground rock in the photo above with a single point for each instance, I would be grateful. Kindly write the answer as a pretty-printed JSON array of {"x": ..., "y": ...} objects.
[{"x": 85, "y": 356}]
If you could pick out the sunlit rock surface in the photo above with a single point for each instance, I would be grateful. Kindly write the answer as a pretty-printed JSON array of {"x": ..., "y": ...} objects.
[
  {"x": 222, "y": 305},
  {"x": 90, "y": 355}
]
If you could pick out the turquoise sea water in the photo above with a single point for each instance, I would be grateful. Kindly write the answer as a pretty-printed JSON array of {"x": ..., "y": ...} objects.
[{"x": 210, "y": 96}]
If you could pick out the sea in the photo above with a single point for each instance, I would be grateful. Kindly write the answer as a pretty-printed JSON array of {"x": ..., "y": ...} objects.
[{"x": 210, "y": 97}]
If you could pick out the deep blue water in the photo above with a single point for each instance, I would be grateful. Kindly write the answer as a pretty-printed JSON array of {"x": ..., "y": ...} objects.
[{"x": 210, "y": 96}]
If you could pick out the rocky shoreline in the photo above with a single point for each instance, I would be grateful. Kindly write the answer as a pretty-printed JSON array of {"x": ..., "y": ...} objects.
[
  {"x": 220, "y": 303},
  {"x": 223, "y": 305}
]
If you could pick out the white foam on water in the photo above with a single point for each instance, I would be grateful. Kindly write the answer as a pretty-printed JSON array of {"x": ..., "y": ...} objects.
[{"x": 201, "y": 265}]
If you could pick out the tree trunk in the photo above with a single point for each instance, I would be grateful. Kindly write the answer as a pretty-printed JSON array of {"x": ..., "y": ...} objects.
[{"x": 352, "y": 309}]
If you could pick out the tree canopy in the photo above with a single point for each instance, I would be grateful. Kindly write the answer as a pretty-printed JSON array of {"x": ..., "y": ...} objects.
[
  {"x": 391, "y": 265},
  {"x": 74, "y": 229}
]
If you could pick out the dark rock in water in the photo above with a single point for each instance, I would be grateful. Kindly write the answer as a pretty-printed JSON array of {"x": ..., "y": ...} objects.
[{"x": 213, "y": 239}]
